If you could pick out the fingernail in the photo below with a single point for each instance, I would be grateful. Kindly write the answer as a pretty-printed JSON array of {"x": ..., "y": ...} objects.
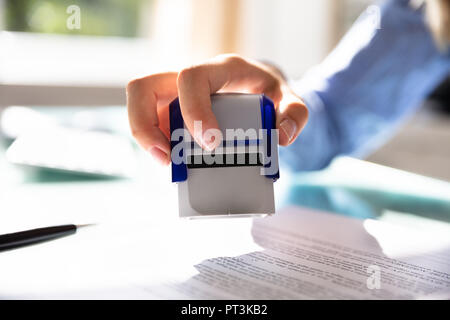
[
  {"x": 159, "y": 155},
  {"x": 289, "y": 127}
]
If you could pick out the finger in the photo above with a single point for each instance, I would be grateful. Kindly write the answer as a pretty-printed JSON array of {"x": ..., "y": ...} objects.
[
  {"x": 292, "y": 117},
  {"x": 144, "y": 96},
  {"x": 223, "y": 73}
]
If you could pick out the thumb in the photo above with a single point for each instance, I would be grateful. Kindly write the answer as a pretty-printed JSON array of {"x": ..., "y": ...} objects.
[{"x": 291, "y": 118}]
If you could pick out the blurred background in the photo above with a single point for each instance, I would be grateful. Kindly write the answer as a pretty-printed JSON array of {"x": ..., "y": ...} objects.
[
  {"x": 118, "y": 40},
  {"x": 43, "y": 62}
]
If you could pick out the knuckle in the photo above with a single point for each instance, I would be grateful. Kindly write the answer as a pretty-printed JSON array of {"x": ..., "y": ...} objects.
[
  {"x": 143, "y": 137},
  {"x": 233, "y": 59},
  {"x": 189, "y": 74},
  {"x": 136, "y": 133},
  {"x": 133, "y": 85},
  {"x": 275, "y": 84}
]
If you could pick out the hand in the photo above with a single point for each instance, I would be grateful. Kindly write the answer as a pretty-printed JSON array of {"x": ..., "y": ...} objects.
[{"x": 148, "y": 101}]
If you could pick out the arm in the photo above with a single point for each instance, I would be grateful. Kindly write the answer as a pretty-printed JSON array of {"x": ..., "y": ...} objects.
[{"x": 367, "y": 87}]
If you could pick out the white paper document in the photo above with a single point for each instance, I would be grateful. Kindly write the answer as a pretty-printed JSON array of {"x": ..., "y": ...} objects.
[
  {"x": 313, "y": 255},
  {"x": 295, "y": 254}
]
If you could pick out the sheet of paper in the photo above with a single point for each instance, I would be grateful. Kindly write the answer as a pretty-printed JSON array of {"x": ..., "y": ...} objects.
[
  {"x": 296, "y": 254},
  {"x": 313, "y": 255}
]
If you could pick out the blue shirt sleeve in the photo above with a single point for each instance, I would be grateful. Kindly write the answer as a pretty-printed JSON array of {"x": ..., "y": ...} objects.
[{"x": 372, "y": 81}]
